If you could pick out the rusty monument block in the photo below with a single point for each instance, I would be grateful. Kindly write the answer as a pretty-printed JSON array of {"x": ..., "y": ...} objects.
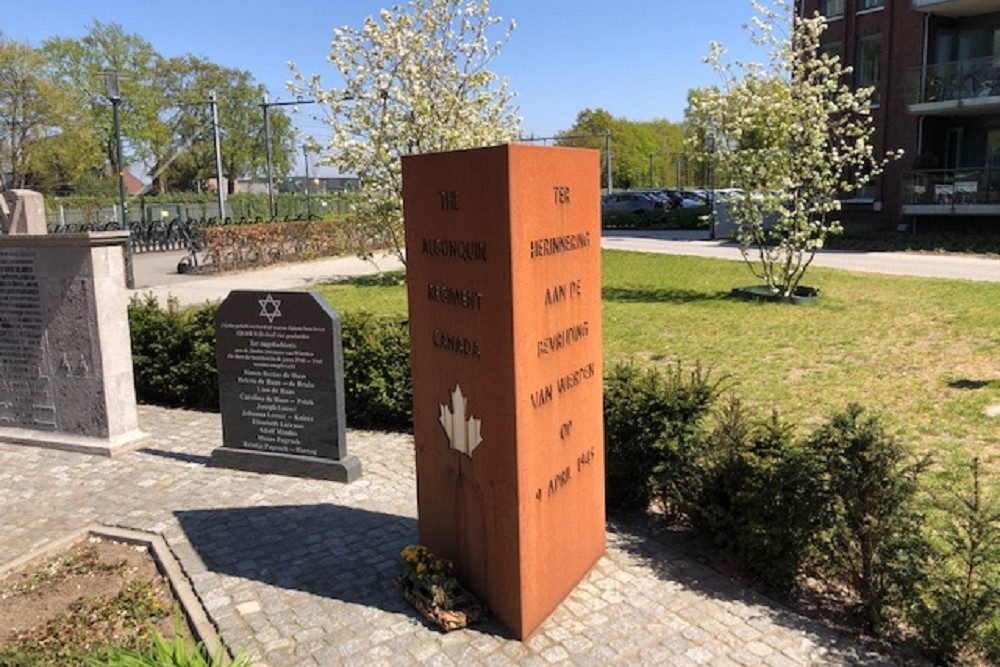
[{"x": 503, "y": 273}]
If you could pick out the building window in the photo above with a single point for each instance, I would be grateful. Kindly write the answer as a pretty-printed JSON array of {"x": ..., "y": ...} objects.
[
  {"x": 832, "y": 49},
  {"x": 868, "y": 72},
  {"x": 831, "y": 9},
  {"x": 865, "y": 5}
]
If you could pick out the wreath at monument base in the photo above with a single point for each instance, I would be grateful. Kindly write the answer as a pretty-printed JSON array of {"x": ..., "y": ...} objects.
[{"x": 426, "y": 582}]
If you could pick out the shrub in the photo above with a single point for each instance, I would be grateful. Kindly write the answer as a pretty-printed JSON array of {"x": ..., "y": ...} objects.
[
  {"x": 761, "y": 503},
  {"x": 677, "y": 218},
  {"x": 958, "y": 605},
  {"x": 875, "y": 543},
  {"x": 652, "y": 434},
  {"x": 173, "y": 354},
  {"x": 378, "y": 390},
  {"x": 238, "y": 246}
]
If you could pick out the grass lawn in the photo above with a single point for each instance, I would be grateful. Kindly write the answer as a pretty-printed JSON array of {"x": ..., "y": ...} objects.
[{"x": 923, "y": 352}]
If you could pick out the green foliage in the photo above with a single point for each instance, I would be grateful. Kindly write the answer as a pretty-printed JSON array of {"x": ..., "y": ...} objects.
[
  {"x": 378, "y": 390},
  {"x": 762, "y": 502},
  {"x": 173, "y": 354},
  {"x": 186, "y": 157},
  {"x": 56, "y": 125},
  {"x": 241, "y": 206},
  {"x": 677, "y": 218},
  {"x": 875, "y": 544},
  {"x": 632, "y": 145},
  {"x": 176, "y": 652},
  {"x": 958, "y": 606},
  {"x": 864, "y": 238},
  {"x": 653, "y": 439}
]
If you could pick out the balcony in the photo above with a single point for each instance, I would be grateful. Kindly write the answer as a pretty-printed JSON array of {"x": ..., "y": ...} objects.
[
  {"x": 956, "y": 8},
  {"x": 962, "y": 87},
  {"x": 952, "y": 192}
]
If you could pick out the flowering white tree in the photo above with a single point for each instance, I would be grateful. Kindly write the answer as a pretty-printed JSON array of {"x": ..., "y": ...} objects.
[
  {"x": 416, "y": 79},
  {"x": 793, "y": 136}
]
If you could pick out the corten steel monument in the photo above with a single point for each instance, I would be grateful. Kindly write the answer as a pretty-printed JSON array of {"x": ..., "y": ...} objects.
[{"x": 503, "y": 274}]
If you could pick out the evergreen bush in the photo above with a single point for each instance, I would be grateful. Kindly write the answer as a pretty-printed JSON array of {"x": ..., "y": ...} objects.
[
  {"x": 173, "y": 356},
  {"x": 378, "y": 388},
  {"x": 653, "y": 437},
  {"x": 875, "y": 545},
  {"x": 956, "y": 611},
  {"x": 761, "y": 501}
]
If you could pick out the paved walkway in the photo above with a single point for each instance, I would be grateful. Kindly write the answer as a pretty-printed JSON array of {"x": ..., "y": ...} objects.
[
  {"x": 962, "y": 267},
  {"x": 300, "y": 571},
  {"x": 156, "y": 273}
]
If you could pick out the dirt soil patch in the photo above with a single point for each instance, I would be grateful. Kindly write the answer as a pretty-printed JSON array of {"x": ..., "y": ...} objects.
[{"x": 95, "y": 594}]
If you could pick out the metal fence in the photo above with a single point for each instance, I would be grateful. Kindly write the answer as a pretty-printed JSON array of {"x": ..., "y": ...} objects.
[
  {"x": 162, "y": 235},
  {"x": 952, "y": 186}
]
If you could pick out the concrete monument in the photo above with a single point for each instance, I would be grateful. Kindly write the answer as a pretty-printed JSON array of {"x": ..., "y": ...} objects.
[{"x": 65, "y": 352}]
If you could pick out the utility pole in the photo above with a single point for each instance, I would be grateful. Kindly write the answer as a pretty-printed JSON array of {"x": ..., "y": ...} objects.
[
  {"x": 218, "y": 157},
  {"x": 607, "y": 156},
  {"x": 650, "y": 170},
  {"x": 265, "y": 105}
]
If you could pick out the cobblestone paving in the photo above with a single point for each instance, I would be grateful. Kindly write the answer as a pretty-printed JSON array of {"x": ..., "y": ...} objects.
[{"x": 300, "y": 571}]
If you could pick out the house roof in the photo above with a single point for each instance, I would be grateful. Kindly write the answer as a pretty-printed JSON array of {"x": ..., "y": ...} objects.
[{"x": 133, "y": 185}]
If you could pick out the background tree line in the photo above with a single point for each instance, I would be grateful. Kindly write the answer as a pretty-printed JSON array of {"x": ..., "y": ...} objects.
[
  {"x": 56, "y": 129},
  {"x": 644, "y": 153}
]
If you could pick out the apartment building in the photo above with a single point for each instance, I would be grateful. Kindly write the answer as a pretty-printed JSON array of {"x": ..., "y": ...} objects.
[{"x": 935, "y": 66}]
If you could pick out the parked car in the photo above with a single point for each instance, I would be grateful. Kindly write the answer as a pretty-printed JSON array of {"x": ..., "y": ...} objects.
[
  {"x": 696, "y": 196},
  {"x": 630, "y": 202}
]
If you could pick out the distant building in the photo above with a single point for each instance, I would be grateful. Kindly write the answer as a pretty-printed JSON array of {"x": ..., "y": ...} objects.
[
  {"x": 133, "y": 186},
  {"x": 935, "y": 65},
  {"x": 320, "y": 184}
]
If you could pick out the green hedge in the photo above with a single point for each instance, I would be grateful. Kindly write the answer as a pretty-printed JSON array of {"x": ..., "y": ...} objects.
[
  {"x": 678, "y": 218},
  {"x": 173, "y": 355}
]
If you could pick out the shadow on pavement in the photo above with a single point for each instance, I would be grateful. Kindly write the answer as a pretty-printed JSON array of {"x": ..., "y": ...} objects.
[
  {"x": 183, "y": 457},
  {"x": 338, "y": 552},
  {"x": 328, "y": 550}
]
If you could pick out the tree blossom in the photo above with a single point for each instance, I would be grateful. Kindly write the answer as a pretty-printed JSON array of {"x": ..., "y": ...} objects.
[
  {"x": 415, "y": 79},
  {"x": 793, "y": 136}
]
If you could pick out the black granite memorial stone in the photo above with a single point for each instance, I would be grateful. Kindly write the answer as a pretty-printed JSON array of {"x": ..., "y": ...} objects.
[{"x": 281, "y": 386}]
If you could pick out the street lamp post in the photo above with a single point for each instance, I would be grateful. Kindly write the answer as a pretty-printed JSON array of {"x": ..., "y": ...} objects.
[
  {"x": 710, "y": 140},
  {"x": 112, "y": 81},
  {"x": 305, "y": 160}
]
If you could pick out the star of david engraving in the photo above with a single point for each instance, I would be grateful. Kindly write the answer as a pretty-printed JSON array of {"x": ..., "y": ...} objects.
[{"x": 270, "y": 308}]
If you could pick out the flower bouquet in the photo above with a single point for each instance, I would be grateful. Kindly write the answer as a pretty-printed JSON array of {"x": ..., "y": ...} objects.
[{"x": 427, "y": 583}]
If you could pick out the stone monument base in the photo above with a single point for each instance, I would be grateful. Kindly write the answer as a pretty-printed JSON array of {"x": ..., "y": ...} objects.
[
  {"x": 111, "y": 446},
  {"x": 344, "y": 470}
]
